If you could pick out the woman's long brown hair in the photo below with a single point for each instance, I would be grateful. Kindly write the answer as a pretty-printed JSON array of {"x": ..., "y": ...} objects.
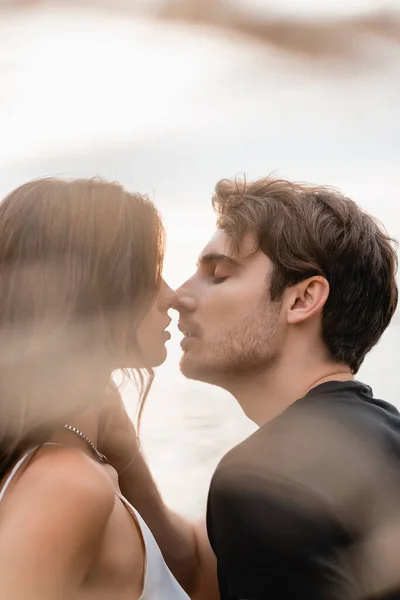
[{"x": 80, "y": 264}]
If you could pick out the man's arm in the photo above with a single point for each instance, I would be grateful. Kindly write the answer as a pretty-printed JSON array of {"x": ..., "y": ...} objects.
[{"x": 184, "y": 545}]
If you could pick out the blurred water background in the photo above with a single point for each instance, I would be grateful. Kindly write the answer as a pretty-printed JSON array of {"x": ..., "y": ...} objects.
[{"x": 96, "y": 88}]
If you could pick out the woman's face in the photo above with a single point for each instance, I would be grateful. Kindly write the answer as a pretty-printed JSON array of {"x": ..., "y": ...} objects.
[{"x": 151, "y": 333}]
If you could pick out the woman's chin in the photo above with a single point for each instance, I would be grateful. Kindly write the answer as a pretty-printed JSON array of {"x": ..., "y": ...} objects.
[
  {"x": 158, "y": 359},
  {"x": 148, "y": 361},
  {"x": 150, "y": 357}
]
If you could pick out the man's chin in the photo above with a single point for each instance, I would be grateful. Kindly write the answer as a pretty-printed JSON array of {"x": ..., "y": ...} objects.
[
  {"x": 194, "y": 369},
  {"x": 188, "y": 367}
]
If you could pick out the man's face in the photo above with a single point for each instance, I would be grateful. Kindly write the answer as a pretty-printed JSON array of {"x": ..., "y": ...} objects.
[{"x": 230, "y": 324}]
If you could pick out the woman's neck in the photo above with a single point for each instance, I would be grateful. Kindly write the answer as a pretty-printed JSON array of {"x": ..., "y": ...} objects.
[
  {"x": 87, "y": 420},
  {"x": 87, "y": 423}
]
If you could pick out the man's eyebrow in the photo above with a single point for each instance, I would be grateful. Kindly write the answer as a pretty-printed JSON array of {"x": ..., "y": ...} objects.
[{"x": 217, "y": 257}]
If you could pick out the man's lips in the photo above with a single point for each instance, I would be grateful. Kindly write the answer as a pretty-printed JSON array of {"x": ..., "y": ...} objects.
[
  {"x": 187, "y": 341},
  {"x": 187, "y": 330}
]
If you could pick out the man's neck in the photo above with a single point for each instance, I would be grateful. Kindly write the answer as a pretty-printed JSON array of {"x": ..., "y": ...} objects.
[{"x": 265, "y": 395}]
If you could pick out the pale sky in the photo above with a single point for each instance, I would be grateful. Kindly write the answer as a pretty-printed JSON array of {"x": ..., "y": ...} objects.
[{"x": 172, "y": 112}]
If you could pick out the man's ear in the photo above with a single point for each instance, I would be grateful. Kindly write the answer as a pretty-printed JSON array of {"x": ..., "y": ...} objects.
[{"x": 306, "y": 299}]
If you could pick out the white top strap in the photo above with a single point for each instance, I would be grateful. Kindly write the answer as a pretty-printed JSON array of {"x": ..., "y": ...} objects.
[
  {"x": 19, "y": 464},
  {"x": 158, "y": 581}
]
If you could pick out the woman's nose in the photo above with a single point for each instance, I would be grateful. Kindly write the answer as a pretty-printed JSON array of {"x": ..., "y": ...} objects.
[{"x": 168, "y": 296}]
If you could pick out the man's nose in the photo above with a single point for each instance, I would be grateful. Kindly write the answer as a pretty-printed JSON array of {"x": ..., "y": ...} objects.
[{"x": 185, "y": 300}]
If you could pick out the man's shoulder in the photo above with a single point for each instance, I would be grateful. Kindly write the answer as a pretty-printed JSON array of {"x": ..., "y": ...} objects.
[
  {"x": 347, "y": 398},
  {"x": 327, "y": 414},
  {"x": 347, "y": 412},
  {"x": 333, "y": 442}
]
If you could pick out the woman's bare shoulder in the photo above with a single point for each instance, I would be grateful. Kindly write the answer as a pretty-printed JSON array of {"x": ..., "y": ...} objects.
[
  {"x": 64, "y": 477},
  {"x": 53, "y": 522}
]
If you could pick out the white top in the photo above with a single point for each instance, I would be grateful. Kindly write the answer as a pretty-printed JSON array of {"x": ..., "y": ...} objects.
[{"x": 159, "y": 583}]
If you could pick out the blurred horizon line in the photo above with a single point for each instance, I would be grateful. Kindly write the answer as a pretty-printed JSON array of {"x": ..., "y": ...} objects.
[{"x": 312, "y": 38}]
